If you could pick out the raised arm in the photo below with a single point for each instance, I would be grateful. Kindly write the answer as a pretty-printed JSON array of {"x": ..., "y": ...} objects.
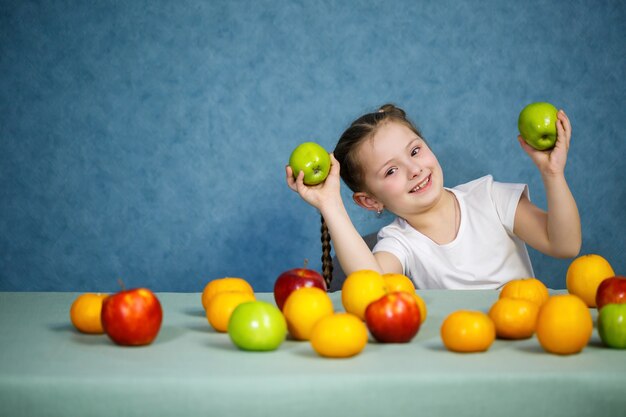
[
  {"x": 557, "y": 231},
  {"x": 351, "y": 250}
]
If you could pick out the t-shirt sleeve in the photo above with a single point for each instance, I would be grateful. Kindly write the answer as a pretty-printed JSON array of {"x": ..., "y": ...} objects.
[{"x": 505, "y": 197}]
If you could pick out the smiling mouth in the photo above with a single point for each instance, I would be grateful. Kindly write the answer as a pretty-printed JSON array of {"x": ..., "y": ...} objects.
[{"x": 421, "y": 185}]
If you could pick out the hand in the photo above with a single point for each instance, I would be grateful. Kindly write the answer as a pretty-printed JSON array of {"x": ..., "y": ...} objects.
[
  {"x": 552, "y": 162},
  {"x": 321, "y": 194}
]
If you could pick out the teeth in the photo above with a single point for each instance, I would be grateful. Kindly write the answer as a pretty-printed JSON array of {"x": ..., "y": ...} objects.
[{"x": 421, "y": 185}]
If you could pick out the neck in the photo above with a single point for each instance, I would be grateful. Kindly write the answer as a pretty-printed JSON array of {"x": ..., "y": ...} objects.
[{"x": 440, "y": 222}]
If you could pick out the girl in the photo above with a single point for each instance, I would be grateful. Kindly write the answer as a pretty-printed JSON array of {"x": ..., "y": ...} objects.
[{"x": 470, "y": 236}]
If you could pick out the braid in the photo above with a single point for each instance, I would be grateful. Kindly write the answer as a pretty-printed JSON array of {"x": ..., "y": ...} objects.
[{"x": 327, "y": 261}]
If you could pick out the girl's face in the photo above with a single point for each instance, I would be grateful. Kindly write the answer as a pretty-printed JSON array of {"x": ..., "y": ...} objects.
[{"x": 401, "y": 172}]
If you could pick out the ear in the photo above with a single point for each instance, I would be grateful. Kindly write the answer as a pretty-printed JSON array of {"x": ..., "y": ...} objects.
[{"x": 367, "y": 201}]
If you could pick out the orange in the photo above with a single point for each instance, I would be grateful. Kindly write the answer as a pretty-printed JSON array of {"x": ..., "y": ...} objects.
[
  {"x": 422, "y": 306},
  {"x": 303, "y": 308},
  {"x": 361, "y": 288},
  {"x": 339, "y": 335},
  {"x": 398, "y": 282},
  {"x": 222, "y": 306},
  {"x": 584, "y": 276},
  {"x": 85, "y": 313},
  {"x": 224, "y": 284},
  {"x": 514, "y": 318},
  {"x": 564, "y": 325},
  {"x": 530, "y": 289},
  {"x": 468, "y": 331}
]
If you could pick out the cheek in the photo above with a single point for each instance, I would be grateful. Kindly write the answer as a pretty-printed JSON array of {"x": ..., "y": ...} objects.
[
  {"x": 437, "y": 167},
  {"x": 432, "y": 161},
  {"x": 394, "y": 185},
  {"x": 390, "y": 186}
]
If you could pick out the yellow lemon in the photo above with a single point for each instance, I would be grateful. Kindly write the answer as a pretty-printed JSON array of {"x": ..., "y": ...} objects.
[
  {"x": 514, "y": 318},
  {"x": 304, "y": 308},
  {"x": 361, "y": 288},
  {"x": 85, "y": 313},
  {"x": 222, "y": 306},
  {"x": 339, "y": 335},
  {"x": 564, "y": 325},
  {"x": 584, "y": 276},
  {"x": 422, "y": 306},
  {"x": 530, "y": 289},
  {"x": 224, "y": 284},
  {"x": 398, "y": 282},
  {"x": 468, "y": 331}
]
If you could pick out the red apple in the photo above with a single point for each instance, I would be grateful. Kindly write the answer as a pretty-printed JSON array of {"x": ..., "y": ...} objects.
[
  {"x": 393, "y": 318},
  {"x": 293, "y": 279},
  {"x": 611, "y": 291},
  {"x": 132, "y": 317}
]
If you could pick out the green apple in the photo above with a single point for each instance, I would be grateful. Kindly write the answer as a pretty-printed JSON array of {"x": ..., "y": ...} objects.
[
  {"x": 537, "y": 125},
  {"x": 313, "y": 160},
  {"x": 612, "y": 325},
  {"x": 257, "y": 326}
]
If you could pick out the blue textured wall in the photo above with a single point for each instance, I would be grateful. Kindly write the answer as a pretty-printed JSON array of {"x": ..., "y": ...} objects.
[{"x": 146, "y": 139}]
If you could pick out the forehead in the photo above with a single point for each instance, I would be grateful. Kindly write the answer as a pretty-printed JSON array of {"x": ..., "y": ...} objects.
[
  {"x": 394, "y": 131},
  {"x": 389, "y": 139}
]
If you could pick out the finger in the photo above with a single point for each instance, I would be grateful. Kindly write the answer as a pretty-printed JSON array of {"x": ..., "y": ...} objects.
[
  {"x": 567, "y": 126},
  {"x": 291, "y": 181},
  {"x": 563, "y": 135},
  {"x": 300, "y": 186},
  {"x": 526, "y": 147},
  {"x": 334, "y": 165},
  {"x": 562, "y": 117},
  {"x": 560, "y": 129},
  {"x": 561, "y": 139}
]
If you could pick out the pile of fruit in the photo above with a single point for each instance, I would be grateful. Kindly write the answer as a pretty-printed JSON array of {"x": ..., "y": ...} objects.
[
  {"x": 385, "y": 306},
  {"x": 592, "y": 278},
  {"x": 129, "y": 317},
  {"x": 563, "y": 322}
]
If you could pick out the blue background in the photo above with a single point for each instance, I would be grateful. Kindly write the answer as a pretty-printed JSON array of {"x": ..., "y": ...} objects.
[{"x": 146, "y": 140}]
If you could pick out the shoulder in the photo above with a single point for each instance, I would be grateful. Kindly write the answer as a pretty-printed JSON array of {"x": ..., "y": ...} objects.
[
  {"x": 485, "y": 182},
  {"x": 493, "y": 198},
  {"x": 396, "y": 228},
  {"x": 396, "y": 236},
  {"x": 496, "y": 190}
]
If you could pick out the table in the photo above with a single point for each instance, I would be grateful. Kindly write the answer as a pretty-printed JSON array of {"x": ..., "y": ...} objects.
[{"x": 49, "y": 369}]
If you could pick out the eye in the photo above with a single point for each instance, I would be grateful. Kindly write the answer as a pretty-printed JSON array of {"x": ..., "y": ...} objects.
[
  {"x": 390, "y": 171},
  {"x": 415, "y": 151}
]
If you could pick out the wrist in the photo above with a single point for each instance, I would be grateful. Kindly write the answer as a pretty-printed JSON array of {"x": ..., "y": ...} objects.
[
  {"x": 554, "y": 183},
  {"x": 332, "y": 207},
  {"x": 552, "y": 176}
]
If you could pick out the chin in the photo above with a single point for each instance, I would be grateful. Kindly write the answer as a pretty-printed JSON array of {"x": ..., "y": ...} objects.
[{"x": 429, "y": 197}]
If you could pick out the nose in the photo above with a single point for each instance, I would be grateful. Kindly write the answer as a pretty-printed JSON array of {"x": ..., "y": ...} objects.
[{"x": 414, "y": 170}]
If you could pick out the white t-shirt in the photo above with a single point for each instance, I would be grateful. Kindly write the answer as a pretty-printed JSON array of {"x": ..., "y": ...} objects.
[{"x": 485, "y": 253}]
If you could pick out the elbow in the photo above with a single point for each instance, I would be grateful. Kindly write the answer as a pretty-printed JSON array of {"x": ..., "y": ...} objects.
[
  {"x": 570, "y": 251},
  {"x": 567, "y": 254}
]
